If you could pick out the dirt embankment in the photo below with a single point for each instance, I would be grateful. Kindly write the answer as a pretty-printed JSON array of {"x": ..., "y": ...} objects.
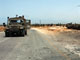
[
  {"x": 63, "y": 34},
  {"x": 2, "y": 28}
]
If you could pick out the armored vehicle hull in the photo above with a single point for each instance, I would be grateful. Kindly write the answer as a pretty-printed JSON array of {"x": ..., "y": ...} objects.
[{"x": 16, "y": 26}]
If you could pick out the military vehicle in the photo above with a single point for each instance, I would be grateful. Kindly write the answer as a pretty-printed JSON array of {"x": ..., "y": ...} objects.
[
  {"x": 28, "y": 22},
  {"x": 16, "y": 26},
  {"x": 73, "y": 26}
]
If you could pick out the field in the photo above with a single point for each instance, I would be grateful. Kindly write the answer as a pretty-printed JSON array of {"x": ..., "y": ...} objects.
[{"x": 68, "y": 38}]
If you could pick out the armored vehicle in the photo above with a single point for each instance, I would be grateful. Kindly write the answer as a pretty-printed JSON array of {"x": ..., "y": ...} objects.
[
  {"x": 28, "y": 22},
  {"x": 16, "y": 26},
  {"x": 73, "y": 26}
]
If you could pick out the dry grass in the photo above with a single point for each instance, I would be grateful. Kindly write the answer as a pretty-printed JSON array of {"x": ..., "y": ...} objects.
[
  {"x": 53, "y": 29},
  {"x": 62, "y": 34}
]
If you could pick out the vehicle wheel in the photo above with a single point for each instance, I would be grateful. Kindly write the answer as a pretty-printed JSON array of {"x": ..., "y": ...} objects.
[
  {"x": 23, "y": 33},
  {"x": 6, "y": 34}
]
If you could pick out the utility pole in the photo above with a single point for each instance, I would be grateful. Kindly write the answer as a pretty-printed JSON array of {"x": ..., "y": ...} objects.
[{"x": 40, "y": 22}]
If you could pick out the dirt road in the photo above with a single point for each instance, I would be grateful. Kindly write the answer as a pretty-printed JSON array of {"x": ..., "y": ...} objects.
[{"x": 35, "y": 46}]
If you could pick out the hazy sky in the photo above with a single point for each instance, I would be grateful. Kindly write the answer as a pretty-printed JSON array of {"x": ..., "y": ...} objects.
[{"x": 48, "y": 11}]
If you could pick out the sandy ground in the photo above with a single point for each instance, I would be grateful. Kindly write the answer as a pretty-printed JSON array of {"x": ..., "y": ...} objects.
[
  {"x": 68, "y": 38},
  {"x": 34, "y": 46}
]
